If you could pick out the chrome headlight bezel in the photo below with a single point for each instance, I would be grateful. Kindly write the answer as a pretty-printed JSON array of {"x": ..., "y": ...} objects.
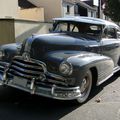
[{"x": 66, "y": 68}]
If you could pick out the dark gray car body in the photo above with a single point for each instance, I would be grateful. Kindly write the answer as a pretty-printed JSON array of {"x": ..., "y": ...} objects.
[{"x": 99, "y": 55}]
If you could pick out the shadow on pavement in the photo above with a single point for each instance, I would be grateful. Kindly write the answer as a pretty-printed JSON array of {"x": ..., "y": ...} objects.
[{"x": 15, "y": 104}]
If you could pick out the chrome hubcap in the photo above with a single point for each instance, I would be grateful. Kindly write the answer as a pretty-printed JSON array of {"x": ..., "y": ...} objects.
[{"x": 84, "y": 85}]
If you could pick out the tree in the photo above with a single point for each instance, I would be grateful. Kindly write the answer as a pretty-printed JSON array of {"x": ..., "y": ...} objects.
[{"x": 112, "y": 9}]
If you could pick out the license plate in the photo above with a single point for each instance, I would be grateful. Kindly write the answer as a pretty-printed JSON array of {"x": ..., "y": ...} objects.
[{"x": 20, "y": 81}]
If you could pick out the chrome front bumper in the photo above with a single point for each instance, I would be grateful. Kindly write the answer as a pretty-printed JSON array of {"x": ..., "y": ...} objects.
[{"x": 52, "y": 91}]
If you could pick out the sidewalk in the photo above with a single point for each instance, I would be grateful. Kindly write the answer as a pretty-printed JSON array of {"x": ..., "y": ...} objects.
[
  {"x": 104, "y": 106},
  {"x": 93, "y": 111}
]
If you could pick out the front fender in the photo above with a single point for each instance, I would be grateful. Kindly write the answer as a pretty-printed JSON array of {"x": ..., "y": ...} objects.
[
  {"x": 81, "y": 62},
  {"x": 10, "y": 50},
  {"x": 84, "y": 62}
]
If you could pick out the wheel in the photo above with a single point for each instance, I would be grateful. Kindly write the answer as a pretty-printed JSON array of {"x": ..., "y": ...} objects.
[{"x": 85, "y": 87}]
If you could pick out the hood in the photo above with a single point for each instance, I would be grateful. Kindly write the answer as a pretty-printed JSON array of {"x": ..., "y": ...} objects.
[
  {"x": 62, "y": 39},
  {"x": 38, "y": 46}
]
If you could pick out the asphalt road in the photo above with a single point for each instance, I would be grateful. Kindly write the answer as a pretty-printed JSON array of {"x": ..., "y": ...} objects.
[{"x": 104, "y": 104}]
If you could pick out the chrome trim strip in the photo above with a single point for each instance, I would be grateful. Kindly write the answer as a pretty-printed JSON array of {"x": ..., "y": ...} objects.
[
  {"x": 58, "y": 77},
  {"x": 24, "y": 65},
  {"x": 3, "y": 63},
  {"x": 114, "y": 71},
  {"x": 57, "y": 82},
  {"x": 28, "y": 44},
  {"x": 1, "y": 67},
  {"x": 26, "y": 71},
  {"x": 34, "y": 61},
  {"x": 99, "y": 83},
  {"x": 22, "y": 75}
]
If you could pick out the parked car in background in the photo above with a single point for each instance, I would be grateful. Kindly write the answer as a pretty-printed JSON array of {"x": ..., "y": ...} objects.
[{"x": 78, "y": 54}]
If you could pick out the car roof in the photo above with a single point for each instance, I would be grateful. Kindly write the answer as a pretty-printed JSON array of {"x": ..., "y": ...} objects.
[{"x": 89, "y": 20}]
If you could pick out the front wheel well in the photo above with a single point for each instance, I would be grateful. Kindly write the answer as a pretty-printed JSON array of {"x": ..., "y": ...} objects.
[{"x": 94, "y": 75}]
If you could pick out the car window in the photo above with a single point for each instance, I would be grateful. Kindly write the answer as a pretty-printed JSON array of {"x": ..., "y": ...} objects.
[
  {"x": 89, "y": 29},
  {"x": 62, "y": 27},
  {"x": 80, "y": 28},
  {"x": 66, "y": 27},
  {"x": 73, "y": 28}
]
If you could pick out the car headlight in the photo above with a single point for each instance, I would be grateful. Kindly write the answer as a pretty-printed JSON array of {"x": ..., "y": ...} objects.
[
  {"x": 66, "y": 68},
  {"x": 2, "y": 54}
]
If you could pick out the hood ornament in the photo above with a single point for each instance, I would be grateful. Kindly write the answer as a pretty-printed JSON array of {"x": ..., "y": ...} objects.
[{"x": 26, "y": 56}]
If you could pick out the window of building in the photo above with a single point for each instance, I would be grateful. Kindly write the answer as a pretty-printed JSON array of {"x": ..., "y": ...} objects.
[{"x": 68, "y": 9}]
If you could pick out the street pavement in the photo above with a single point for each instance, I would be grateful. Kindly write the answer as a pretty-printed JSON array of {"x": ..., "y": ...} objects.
[{"x": 104, "y": 104}]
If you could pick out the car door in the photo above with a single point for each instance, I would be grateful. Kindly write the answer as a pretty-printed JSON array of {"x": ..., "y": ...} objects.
[{"x": 111, "y": 44}]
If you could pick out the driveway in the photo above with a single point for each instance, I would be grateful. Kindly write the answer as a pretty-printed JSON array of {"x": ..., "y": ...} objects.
[{"x": 104, "y": 104}]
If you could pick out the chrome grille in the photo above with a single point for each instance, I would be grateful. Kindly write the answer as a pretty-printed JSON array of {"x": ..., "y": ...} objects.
[{"x": 26, "y": 69}]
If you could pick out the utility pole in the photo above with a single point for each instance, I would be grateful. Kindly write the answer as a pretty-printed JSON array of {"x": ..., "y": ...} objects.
[{"x": 99, "y": 8}]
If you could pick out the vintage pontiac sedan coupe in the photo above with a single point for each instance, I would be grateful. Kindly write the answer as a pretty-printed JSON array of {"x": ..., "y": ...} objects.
[{"x": 77, "y": 54}]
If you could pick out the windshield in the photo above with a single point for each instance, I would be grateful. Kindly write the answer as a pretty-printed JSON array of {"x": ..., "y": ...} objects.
[{"x": 77, "y": 27}]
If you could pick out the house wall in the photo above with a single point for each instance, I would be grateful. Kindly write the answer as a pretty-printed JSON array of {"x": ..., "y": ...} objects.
[
  {"x": 52, "y": 8},
  {"x": 36, "y": 14},
  {"x": 15, "y": 30},
  {"x": 7, "y": 33},
  {"x": 26, "y": 28},
  {"x": 8, "y": 8}
]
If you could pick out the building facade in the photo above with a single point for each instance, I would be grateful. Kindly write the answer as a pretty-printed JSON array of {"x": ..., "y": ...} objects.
[
  {"x": 8, "y": 8},
  {"x": 29, "y": 11},
  {"x": 61, "y": 8},
  {"x": 21, "y": 9},
  {"x": 52, "y": 8},
  {"x": 81, "y": 8},
  {"x": 40, "y": 10}
]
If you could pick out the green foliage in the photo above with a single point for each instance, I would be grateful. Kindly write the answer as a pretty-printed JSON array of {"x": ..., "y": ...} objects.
[{"x": 112, "y": 9}]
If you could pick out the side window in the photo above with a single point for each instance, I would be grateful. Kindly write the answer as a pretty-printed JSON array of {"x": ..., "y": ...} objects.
[
  {"x": 73, "y": 28},
  {"x": 111, "y": 33},
  {"x": 62, "y": 27}
]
